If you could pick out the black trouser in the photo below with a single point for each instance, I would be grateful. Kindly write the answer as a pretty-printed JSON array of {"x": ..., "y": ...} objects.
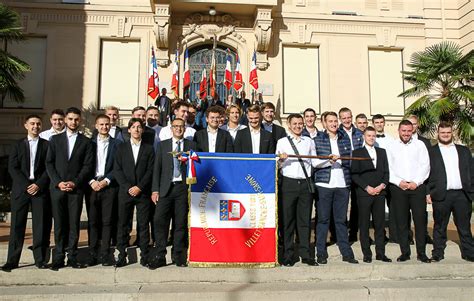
[
  {"x": 374, "y": 205},
  {"x": 459, "y": 204},
  {"x": 173, "y": 205},
  {"x": 126, "y": 205},
  {"x": 19, "y": 215},
  {"x": 67, "y": 207},
  {"x": 297, "y": 205},
  {"x": 402, "y": 202},
  {"x": 353, "y": 223},
  {"x": 100, "y": 219}
]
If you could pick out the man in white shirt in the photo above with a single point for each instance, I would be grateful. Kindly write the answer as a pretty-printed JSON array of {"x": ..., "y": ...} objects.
[
  {"x": 296, "y": 191},
  {"x": 181, "y": 111},
  {"x": 57, "y": 125},
  {"x": 451, "y": 189},
  {"x": 409, "y": 168}
]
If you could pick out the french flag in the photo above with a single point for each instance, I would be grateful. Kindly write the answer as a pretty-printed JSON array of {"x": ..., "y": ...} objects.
[
  {"x": 153, "y": 79},
  {"x": 203, "y": 84},
  {"x": 253, "y": 71},
  {"x": 187, "y": 73},
  {"x": 233, "y": 215},
  {"x": 228, "y": 71},
  {"x": 238, "y": 83},
  {"x": 175, "y": 76}
]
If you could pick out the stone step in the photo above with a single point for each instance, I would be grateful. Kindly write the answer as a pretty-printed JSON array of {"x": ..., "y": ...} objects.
[{"x": 312, "y": 290}]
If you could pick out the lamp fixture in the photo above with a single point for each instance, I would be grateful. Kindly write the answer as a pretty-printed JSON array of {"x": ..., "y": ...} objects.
[{"x": 212, "y": 11}]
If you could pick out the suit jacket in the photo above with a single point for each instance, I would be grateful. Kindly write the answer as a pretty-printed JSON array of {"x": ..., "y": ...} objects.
[
  {"x": 128, "y": 174},
  {"x": 78, "y": 169},
  {"x": 364, "y": 173},
  {"x": 165, "y": 113},
  {"x": 243, "y": 142},
  {"x": 109, "y": 162},
  {"x": 278, "y": 132},
  {"x": 426, "y": 141},
  {"x": 437, "y": 180},
  {"x": 224, "y": 142},
  {"x": 118, "y": 134},
  {"x": 163, "y": 169},
  {"x": 148, "y": 136},
  {"x": 19, "y": 166}
]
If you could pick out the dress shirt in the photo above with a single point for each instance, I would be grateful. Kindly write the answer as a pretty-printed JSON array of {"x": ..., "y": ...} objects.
[
  {"x": 71, "y": 138},
  {"x": 372, "y": 154},
  {"x": 166, "y": 133},
  {"x": 291, "y": 167},
  {"x": 349, "y": 133},
  {"x": 313, "y": 133},
  {"x": 135, "y": 149},
  {"x": 255, "y": 136},
  {"x": 112, "y": 131},
  {"x": 175, "y": 148},
  {"x": 102, "y": 149},
  {"x": 268, "y": 126},
  {"x": 33, "y": 146},
  {"x": 451, "y": 164},
  {"x": 384, "y": 142},
  {"x": 408, "y": 162},
  {"x": 336, "y": 179},
  {"x": 233, "y": 132},
  {"x": 46, "y": 135},
  {"x": 212, "y": 139}
]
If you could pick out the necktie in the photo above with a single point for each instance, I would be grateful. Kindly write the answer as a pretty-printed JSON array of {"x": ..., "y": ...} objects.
[
  {"x": 176, "y": 169},
  {"x": 380, "y": 136}
]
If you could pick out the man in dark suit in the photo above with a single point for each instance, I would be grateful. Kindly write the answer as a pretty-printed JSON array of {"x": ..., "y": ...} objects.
[
  {"x": 26, "y": 165},
  {"x": 371, "y": 180},
  {"x": 148, "y": 136},
  {"x": 169, "y": 193},
  {"x": 102, "y": 194},
  {"x": 268, "y": 113},
  {"x": 450, "y": 189},
  {"x": 254, "y": 139},
  {"x": 163, "y": 103},
  {"x": 192, "y": 118},
  {"x": 213, "y": 139},
  {"x": 115, "y": 131},
  {"x": 69, "y": 163},
  {"x": 133, "y": 171}
]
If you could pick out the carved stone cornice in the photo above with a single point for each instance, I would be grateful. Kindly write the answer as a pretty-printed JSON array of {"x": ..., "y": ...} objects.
[
  {"x": 263, "y": 32},
  {"x": 208, "y": 27},
  {"x": 162, "y": 31}
]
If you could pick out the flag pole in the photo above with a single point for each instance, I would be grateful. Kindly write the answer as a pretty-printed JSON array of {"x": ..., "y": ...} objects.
[{"x": 175, "y": 154}]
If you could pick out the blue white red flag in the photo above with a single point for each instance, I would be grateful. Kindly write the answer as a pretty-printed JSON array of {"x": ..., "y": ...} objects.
[
  {"x": 187, "y": 73},
  {"x": 233, "y": 210},
  {"x": 238, "y": 82},
  {"x": 175, "y": 76},
  {"x": 253, "y": 71},
  {"x": 228, "y": 71},
  {"x": 153, "y": 79}
]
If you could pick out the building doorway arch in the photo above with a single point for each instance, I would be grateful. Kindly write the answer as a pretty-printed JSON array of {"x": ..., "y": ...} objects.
[{"x": 199, "y": 58}]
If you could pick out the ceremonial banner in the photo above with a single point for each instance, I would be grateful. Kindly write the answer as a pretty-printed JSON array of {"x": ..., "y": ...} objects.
[{"x": 233, "y": 211}]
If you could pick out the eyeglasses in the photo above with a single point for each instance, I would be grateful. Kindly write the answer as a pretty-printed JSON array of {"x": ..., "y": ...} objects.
[{"x": 177, "y": 126}]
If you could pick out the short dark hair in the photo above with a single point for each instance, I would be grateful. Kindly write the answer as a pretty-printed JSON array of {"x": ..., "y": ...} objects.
[
  {"x": 444, "y": 124},
  {"x": 369, "y": 129},
  {"x": 100, "y": 116},
  {"x": 378, "y": 116},
  {"x": 57, "y": 112},
  {"x": 323, "y": 115},
  {"x": 138, "y": 108},
  {"x": 133, "y": 120},
  {"x": 268, "y": 105},
  {"x": 309, "y": 110},
  {"x": 361, "y": 115},
  {"x": 344, "y": 110},
  {"x": 214, "y": 109},
  {"x": 181, "y": 103},
  {"x": 151, "y": 108},
  {"x": 405, "y": 122},
  {"x": 73, "y": 110},
  {"x": 179, "y": 119},
  {"x": 293, "y": 116},
  {"x": 32, "y": 116}
]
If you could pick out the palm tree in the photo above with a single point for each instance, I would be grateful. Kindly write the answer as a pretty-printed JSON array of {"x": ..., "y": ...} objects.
[
  {"x": 442, "y": 78},
  {"x": 12, "y": 68}
]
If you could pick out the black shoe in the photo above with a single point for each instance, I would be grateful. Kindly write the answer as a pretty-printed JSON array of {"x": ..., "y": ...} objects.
[
  {"x": 322, "y": 260},
  {"x": 57, "y": 265},
  {"x": 288, "y": 263},
  {"x": 92, "y": 261},
  {"x": 429, "y": 240},
  {"x": 144, "y": 262},
  {"x": 371, "y": 241},
  {"x": 73, "y": 263},
  {"x": 181, "y": 264},
  {"x": 157, "y": 263},
  {"x": 41, "y": 265},
  {"x": 392, "y": 241},
  {"x": 8, "y": 267},
  {"x": 423, "y": 258},
  {"x": 436, "y": 258},
  {"x": 412, "y": 242},
  {"x": 30, "y": 248},
  {"x": 367, "y": 259},
  {"x": 468, "y": 258},
  {"x": 383, "y": 258},
  {"x": 107, "y": 260},
  {"x": 350, "y": 260},
  {"x": 309, "y": 261},
  {"x": 386, "y": 240},
  {"x": 121, "y": 262},
  {"x": 403, "y": 258}
]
